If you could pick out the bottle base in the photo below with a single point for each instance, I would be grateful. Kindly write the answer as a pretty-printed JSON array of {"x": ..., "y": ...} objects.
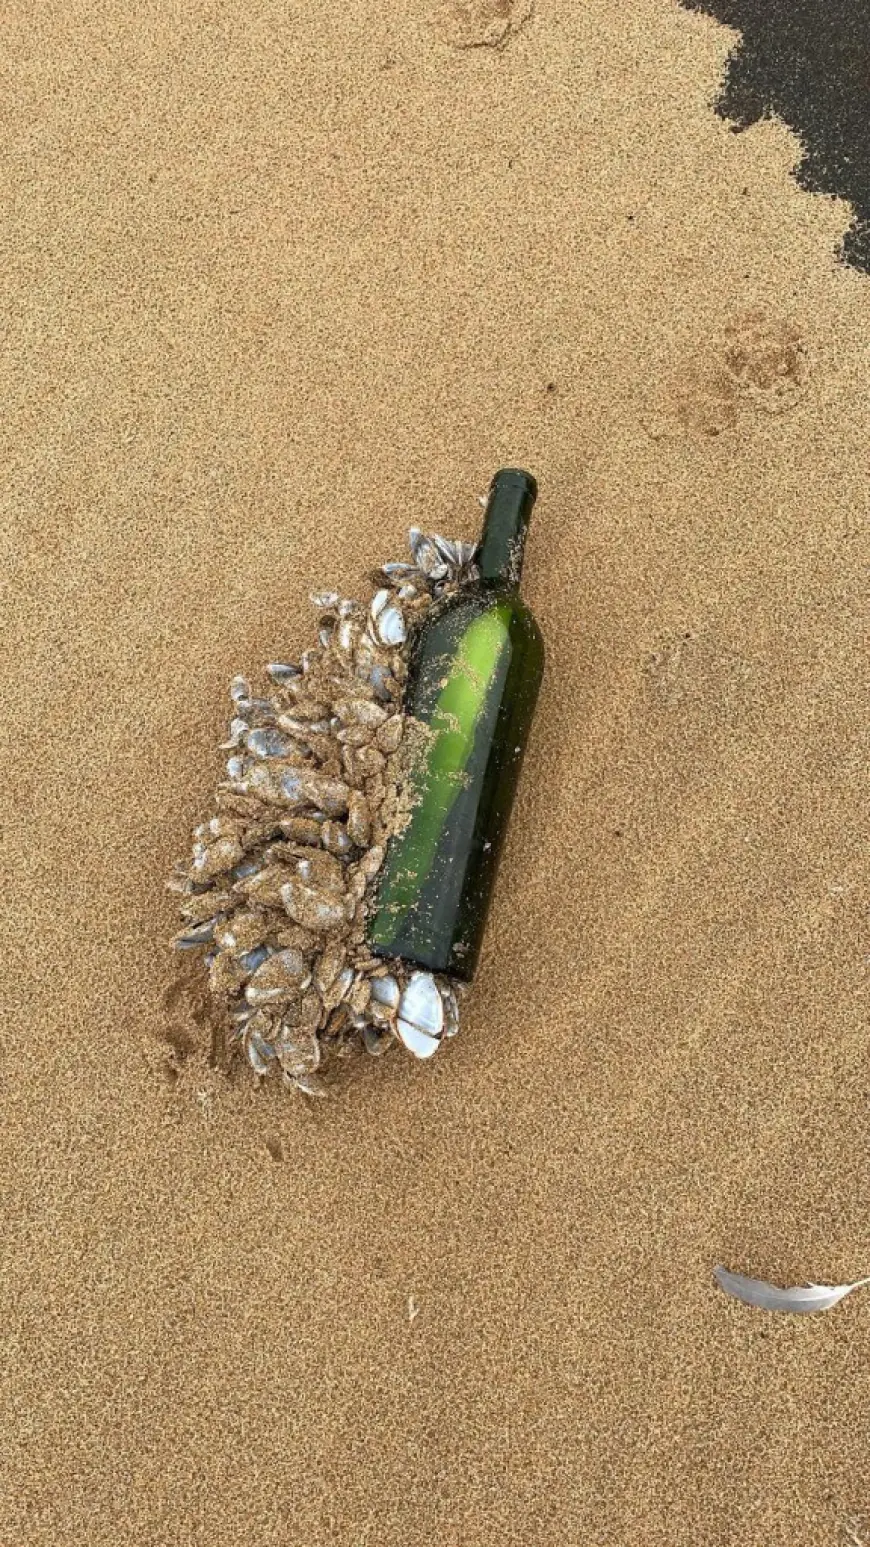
[{"x": 427, "y": 961}]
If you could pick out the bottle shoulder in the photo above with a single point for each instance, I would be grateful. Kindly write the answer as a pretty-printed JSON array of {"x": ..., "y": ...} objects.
[
  {"x": 502, "y": 614},
  {"x": 474, "y": 601}
]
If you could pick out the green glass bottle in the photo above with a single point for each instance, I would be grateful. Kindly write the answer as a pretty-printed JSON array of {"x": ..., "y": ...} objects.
[{"x": 474, "y": 673}]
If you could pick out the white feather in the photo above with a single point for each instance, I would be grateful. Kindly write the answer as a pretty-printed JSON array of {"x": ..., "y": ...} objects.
[{"x": 754, "y": 1291}]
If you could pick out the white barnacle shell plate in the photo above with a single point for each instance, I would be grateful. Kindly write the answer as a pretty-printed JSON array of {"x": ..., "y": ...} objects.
[
  {"x": 420, "y": 1022},
  {"x": 388, "y": 622},
  {"x": 391, "y": 627},
  {"x": 386, "y": 991}
]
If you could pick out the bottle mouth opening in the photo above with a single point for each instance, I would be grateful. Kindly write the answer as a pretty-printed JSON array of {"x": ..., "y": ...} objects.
[{"x": 515, "y": 478}]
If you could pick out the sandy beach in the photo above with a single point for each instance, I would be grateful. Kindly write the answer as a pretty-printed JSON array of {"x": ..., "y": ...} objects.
[{"x": 279, "y": 282}]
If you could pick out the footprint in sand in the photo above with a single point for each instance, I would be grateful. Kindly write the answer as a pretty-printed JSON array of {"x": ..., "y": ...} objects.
[
  {"x": 187, "y": 1010},
  {"x": 767, "y": 361},
  {"x": 757, "y": 365},
  {"x": 480, "y": 23},
  {"x": 700, "y": 675}
]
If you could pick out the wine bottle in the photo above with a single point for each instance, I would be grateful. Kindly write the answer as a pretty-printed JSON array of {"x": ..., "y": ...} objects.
[{"x": 474, "y": 672}]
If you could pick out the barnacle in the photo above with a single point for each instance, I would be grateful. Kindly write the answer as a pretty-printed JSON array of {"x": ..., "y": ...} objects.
[{"x": 276, "y": 893}]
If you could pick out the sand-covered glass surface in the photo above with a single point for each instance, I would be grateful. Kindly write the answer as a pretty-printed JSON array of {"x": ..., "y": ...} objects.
[{"x": 474, "y": 676}]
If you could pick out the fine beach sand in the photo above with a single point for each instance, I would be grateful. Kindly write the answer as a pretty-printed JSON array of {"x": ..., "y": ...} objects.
[{"x": 278, "y": 282}]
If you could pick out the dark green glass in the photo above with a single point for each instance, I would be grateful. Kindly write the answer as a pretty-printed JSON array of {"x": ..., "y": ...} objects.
[{"x": 474, "y": 673}]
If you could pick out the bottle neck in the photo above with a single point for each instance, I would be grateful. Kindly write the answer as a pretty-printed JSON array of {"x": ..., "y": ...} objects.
[{"x": 512, "y": 495}]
